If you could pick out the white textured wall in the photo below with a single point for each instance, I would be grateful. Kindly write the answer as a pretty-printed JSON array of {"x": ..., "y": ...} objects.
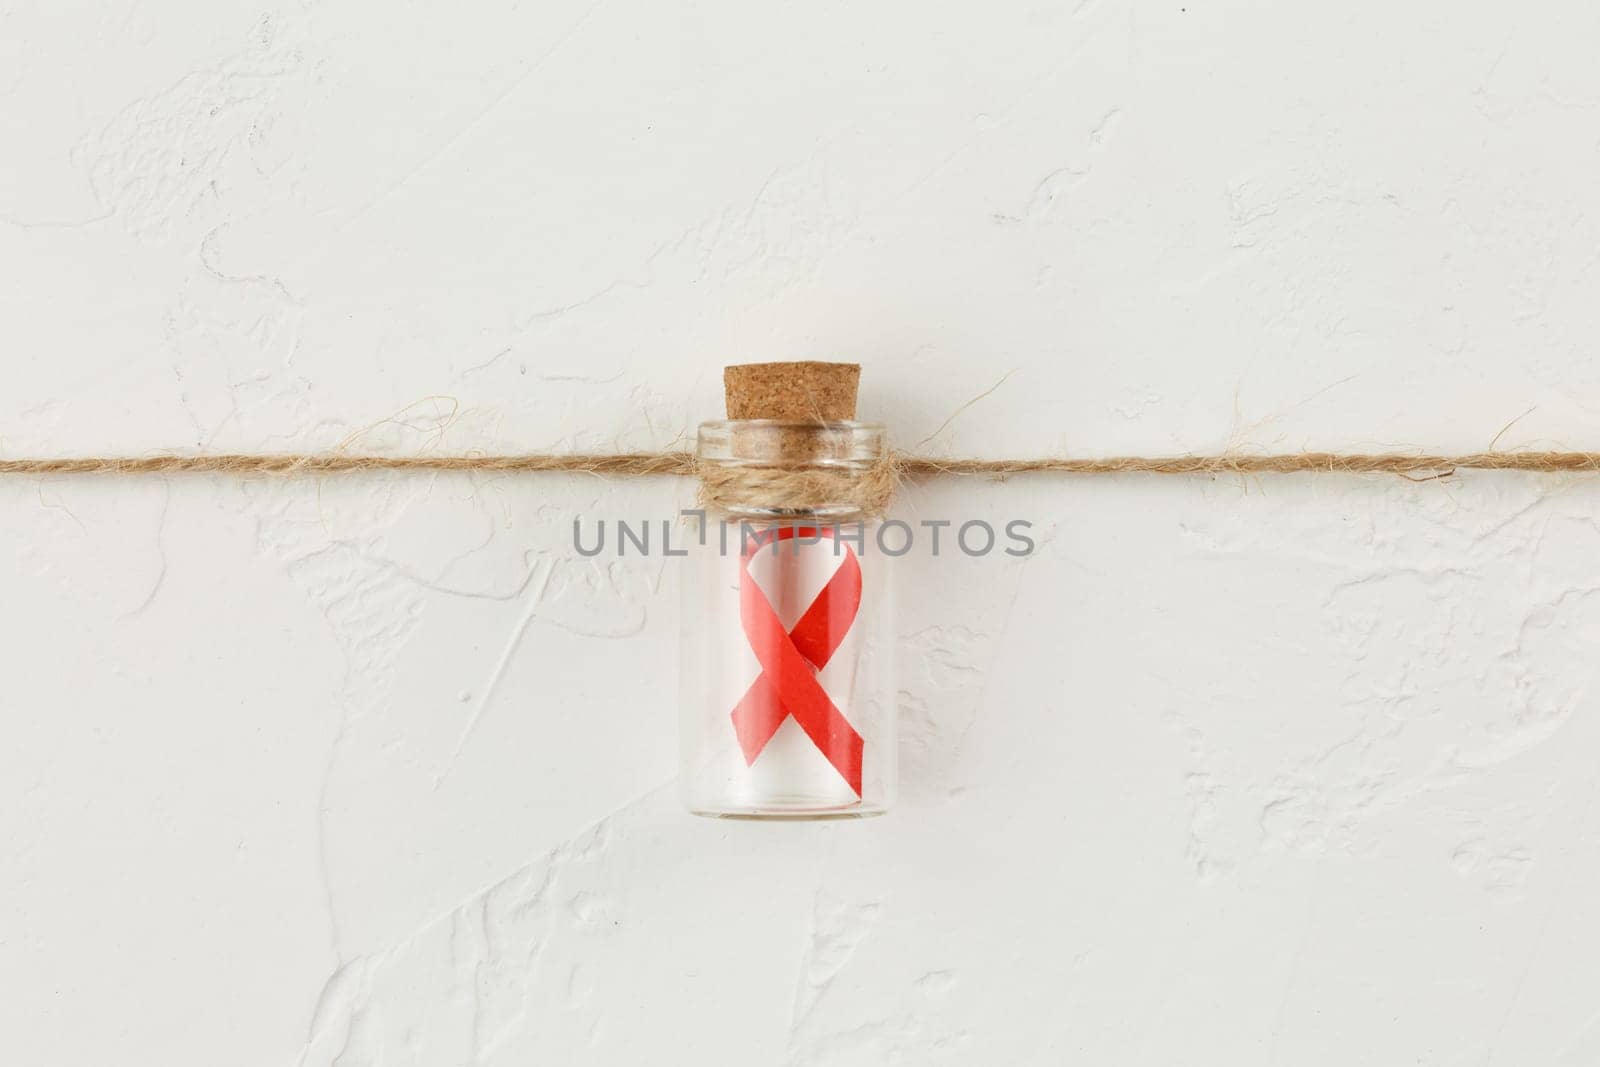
[{"x": 378, "y": 772}]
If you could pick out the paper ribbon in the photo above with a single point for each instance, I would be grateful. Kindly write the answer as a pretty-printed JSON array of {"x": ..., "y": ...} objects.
[{"x": 790, "y": 659}]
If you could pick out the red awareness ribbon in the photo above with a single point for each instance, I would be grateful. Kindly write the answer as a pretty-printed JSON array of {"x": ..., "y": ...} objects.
[{"x": 790, "y": 660}]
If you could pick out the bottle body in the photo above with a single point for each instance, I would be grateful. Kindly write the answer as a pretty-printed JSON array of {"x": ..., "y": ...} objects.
[{"x": 787, "y": 690}]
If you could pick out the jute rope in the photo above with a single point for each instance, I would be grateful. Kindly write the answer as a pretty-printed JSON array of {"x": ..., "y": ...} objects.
[
  {"x": 868, "y": 490},
  {"x": 637, "y": 464},
  {"x": 615, "y": 464},
  {"x": 1284, "y": 463}
]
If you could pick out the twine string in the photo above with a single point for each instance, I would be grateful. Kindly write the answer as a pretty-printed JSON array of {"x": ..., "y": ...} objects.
[
  {"x": 615, "y": 464},
  {"x": 867, "y": 491},
  {"x": 642, "y": 464}
]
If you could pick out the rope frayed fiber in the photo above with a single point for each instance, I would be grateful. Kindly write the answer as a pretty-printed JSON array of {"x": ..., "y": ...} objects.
[{"x": 641, "y": 464}]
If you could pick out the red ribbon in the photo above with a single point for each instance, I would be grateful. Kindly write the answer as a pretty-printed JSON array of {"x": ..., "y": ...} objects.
[{"x": 790, "y": 660}]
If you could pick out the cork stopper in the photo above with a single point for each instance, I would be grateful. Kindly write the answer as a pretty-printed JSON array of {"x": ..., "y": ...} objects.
[
  {"x": 807, "y": 391},
  {"x": 807, "y": 395}
]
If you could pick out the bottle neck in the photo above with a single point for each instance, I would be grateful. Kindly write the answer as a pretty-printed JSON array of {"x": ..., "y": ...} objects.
[{"x": 793, "y": 471}]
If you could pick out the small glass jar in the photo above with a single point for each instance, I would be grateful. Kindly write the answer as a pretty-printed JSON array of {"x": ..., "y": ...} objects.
[{"x": 787, "y": 694}]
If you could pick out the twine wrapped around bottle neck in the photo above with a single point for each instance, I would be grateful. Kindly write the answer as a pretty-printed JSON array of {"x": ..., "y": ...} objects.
[{"x": 842, "y": 493}]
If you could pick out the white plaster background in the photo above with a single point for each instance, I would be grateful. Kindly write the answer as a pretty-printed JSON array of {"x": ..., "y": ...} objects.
[{"x": 378, "y": 772}]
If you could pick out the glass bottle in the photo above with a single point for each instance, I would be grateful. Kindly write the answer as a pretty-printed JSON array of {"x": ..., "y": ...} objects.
[{"x": 787, "y": 692}]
